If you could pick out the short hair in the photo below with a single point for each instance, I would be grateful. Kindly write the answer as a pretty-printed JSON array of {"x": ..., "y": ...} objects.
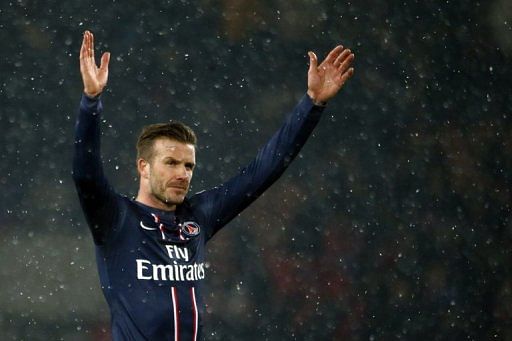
[{"x": 173, "y": 130}]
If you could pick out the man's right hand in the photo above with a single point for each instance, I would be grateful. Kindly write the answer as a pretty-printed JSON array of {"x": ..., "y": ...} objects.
[{"x": 94, "y": 78}]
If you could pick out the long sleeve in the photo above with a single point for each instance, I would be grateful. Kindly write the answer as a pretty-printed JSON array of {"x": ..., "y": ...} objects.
[
  {"x": 97, "y": 199},
  {"x": 221, "y": 204}
]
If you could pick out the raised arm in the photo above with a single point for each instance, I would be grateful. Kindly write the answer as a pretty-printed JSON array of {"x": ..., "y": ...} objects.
[
  {"x": 96, "y": 197},
  {"x": 223, "y": 203}
]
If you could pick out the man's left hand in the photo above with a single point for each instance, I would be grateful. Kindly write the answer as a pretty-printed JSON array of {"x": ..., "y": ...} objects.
[{"x": 326, "y": 79}]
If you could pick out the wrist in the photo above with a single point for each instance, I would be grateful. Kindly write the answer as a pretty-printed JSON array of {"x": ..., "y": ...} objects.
[
  {"x": 315, "y": 99},
  {"x": 92, "y": 95}
]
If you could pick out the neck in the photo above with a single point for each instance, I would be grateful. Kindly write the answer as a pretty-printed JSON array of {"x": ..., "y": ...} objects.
[{"x": 151, "y": 201}]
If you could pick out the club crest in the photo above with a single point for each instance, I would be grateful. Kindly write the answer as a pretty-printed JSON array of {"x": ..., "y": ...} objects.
[{"x": 190, "y": 229}]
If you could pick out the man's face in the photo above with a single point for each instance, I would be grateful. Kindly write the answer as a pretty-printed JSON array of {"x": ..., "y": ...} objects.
[{"x": 170, "y": 171}]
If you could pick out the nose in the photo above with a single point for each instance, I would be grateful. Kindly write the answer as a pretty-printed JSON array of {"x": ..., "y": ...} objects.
[{"x": 184, "y": 173}]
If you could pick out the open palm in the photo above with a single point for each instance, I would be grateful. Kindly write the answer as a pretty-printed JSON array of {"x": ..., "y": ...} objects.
[
  {"x": 94, "y": 78},
  {"x": 326, "y": 79}
]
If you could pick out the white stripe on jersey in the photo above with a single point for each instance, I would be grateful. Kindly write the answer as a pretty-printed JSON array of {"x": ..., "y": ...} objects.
[
  {"x": 193, "y": 292},
  {"x": 175, "y": 310}
]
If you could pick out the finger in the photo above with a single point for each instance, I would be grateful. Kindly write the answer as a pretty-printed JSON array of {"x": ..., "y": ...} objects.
[
  {"x": 83, "y": 48},
  {"x": 90, "y": 38},
  {"x": 87, "y": 40},
  {"x": 333, "y": 54},
  {"x": 342, "y": 57},
  {"x": 313, "y": 61},
  {"x": 346, "y": 75},
  {"x": 86, "y": 45},
  {"x": 91, "y": 47},
  {"x": 346, "y": 63}
]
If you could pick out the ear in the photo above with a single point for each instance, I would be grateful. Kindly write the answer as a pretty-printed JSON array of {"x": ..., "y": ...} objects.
[{"x": 144, "y": 168}]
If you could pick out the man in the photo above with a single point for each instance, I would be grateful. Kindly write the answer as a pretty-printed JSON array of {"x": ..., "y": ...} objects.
[{"x": 151, "y": 251}]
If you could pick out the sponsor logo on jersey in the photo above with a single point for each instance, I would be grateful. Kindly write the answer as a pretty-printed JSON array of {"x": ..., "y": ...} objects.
[{"x": 169, "y": 272}]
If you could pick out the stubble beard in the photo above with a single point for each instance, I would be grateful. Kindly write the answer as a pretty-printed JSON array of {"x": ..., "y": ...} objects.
[{"x": 159, "y": 192}]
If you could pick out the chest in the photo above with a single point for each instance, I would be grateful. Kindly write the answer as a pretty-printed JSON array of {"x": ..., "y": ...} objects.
[{"x": 160, "y": 240}]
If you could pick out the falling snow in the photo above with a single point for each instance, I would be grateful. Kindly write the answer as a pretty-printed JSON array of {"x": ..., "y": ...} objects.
[{"x": 393, "y": 222}]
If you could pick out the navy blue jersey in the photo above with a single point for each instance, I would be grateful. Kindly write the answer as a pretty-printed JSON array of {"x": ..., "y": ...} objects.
[{"x": 151, "y": 262}]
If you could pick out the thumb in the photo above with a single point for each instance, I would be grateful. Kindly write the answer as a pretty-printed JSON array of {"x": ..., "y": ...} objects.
[
  {"x": 105, "y": 58},
  {"x": 313, "y": 61}
]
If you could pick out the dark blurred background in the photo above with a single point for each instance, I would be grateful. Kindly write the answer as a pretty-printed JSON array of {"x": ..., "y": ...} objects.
[{"x": 393, "y": 222}]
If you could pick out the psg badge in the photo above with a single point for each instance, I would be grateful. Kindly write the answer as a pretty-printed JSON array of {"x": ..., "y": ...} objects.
[{"x": 190, "y": 228}]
